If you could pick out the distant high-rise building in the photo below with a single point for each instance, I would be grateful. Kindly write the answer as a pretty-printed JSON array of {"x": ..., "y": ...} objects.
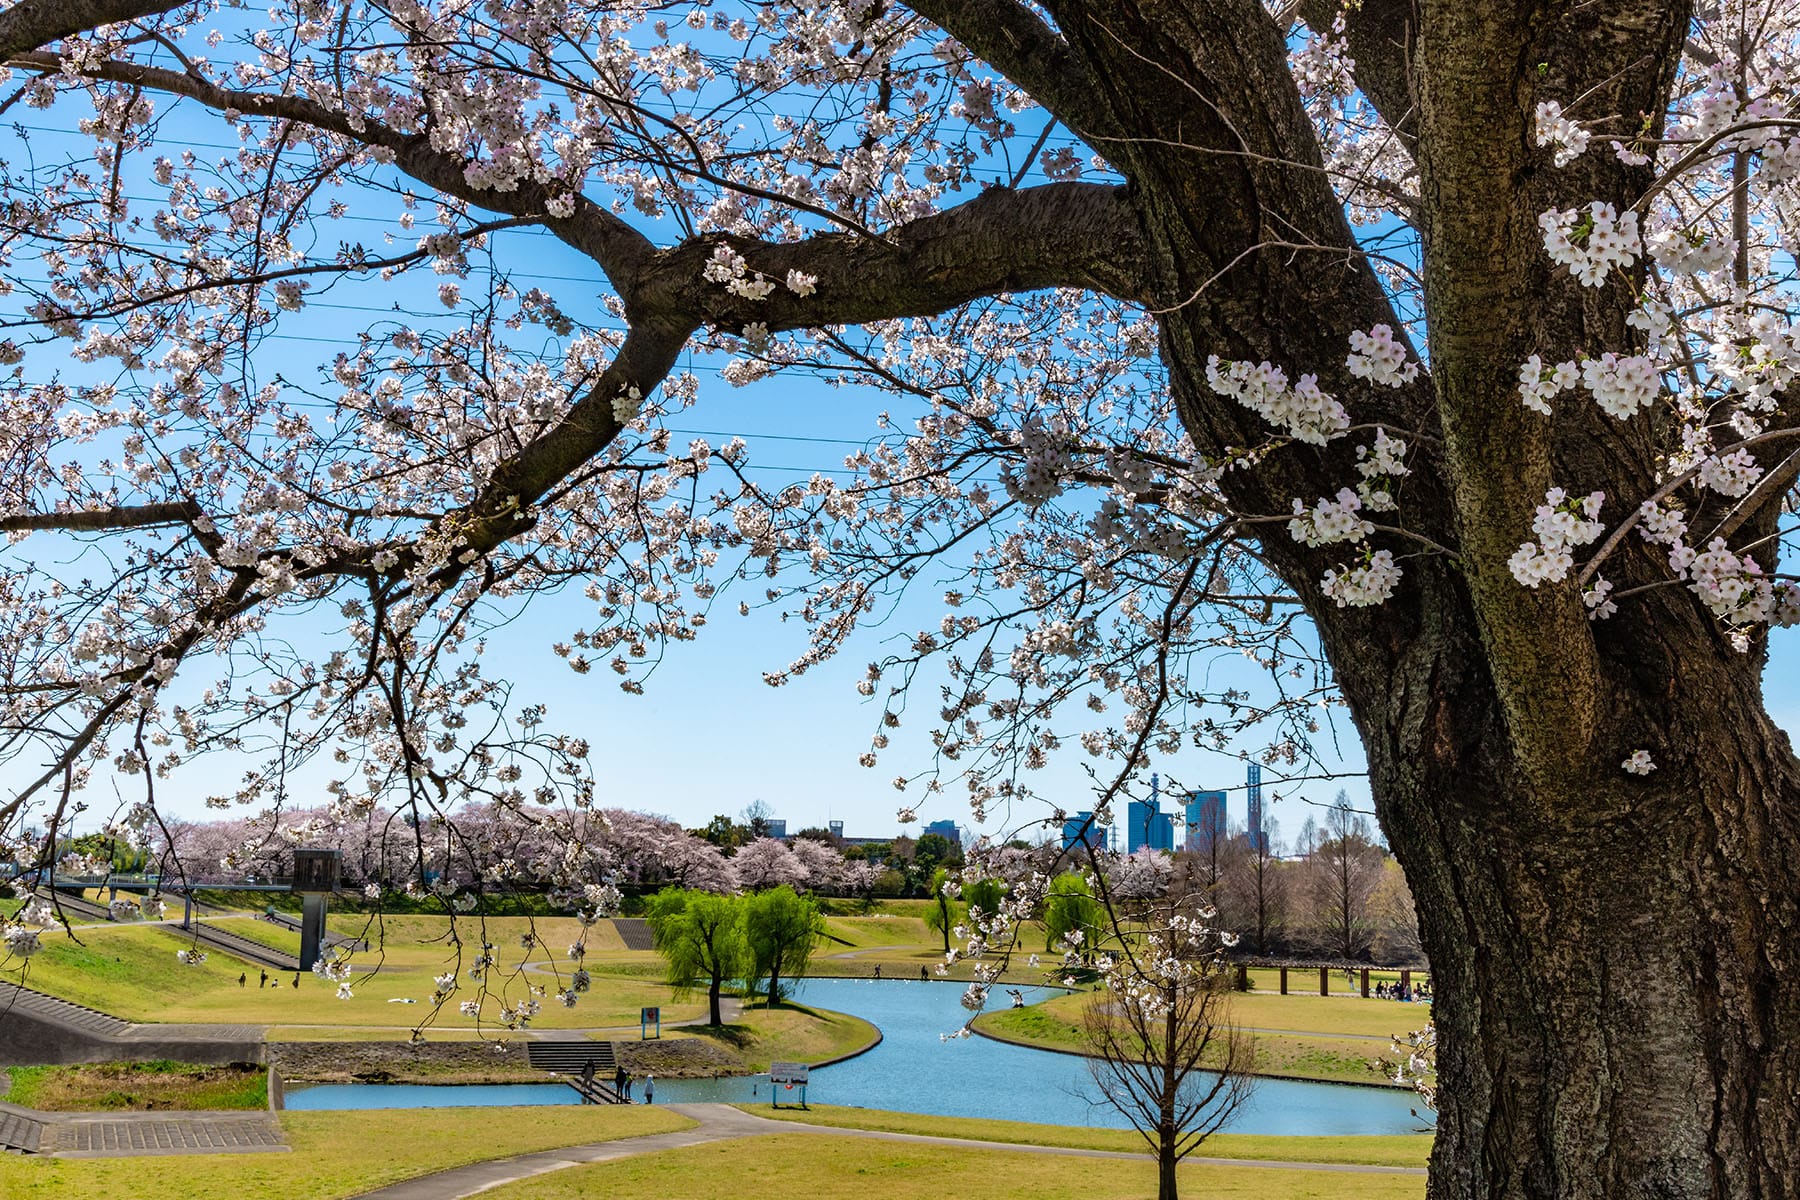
[
  {"x": 948, "y": 830},
  {"x": 1147, "y": 827},
  {"x": 1206, "y": 821},
  {"x": 775, "y": 827},
  {"x": 836, "y": 828},
  {"x": 1259, "y": 836},
  {"x": 1083, "y": 829}
]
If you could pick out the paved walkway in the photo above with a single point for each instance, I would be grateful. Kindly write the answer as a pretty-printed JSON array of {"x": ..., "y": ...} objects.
[
  {"x": 722, "y": 1122},
  {"x": 134, "y": 1134}
]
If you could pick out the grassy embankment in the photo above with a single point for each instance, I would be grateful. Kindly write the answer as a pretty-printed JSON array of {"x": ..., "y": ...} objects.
[
  {"x": 828, "y": 1167},
  {"x": 131, "y": 970},
  {"x": 789, "y": 1033},
  {"x": 1333, "y": 1038},
  {"x": 138, "y": 1087},
  {"x": 336, "y": 1154}
]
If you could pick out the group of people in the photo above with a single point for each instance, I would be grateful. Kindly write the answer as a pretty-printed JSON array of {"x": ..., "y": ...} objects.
[
  {"x": 622, "y": 1082},
  {"x": 263, "y": 978},
  {"x": 923, "y": 972},
  {"x": 1406, "y": 992}
]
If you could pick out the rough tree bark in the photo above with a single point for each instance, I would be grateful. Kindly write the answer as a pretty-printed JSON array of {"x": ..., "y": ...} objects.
[{"x": 1607, "y": 951}]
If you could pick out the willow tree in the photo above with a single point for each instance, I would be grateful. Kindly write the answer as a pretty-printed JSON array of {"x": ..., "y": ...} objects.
[{"x": 1453, "y": 335}]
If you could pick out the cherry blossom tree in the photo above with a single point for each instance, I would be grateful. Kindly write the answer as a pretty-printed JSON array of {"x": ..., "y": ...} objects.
[
  {"x": 1436, "y": 358},
  {"x": 766, "y": 863},
  {"x": 823, "y": 865}
]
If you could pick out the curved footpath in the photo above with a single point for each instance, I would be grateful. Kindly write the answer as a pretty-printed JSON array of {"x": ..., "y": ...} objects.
[{"x": 722, "y": 1122}]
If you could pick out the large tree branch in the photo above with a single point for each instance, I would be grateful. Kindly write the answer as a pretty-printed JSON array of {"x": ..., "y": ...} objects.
[
  {"x": 131, "y": 516},
  {"x": 618, "y": 248},
  {"x": 1079, "y": 235},
  {"x": 1017, "y": 43},
  {"x": 33, "y": 23}
]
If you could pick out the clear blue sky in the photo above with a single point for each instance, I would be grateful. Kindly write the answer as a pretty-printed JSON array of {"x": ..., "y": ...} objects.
[{"x": 709, "y": 736}]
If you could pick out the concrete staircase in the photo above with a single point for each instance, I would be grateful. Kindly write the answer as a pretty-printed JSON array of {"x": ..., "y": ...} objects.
[
  {"x": 39, "y": 1029},
  {"x": 220, "y": 938},
  {"x": 571, "y": 1058},
  {"x": 635, "y": 933},
  {"x": 75, "y": 906},
  {"x": 19, "y": 1133},
  {"x": 23, "y": 1002}
]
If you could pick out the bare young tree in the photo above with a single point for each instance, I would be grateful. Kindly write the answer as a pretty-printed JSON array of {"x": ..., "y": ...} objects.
[
  {"x": 1256, "y": 889},
  {"x": 1343, "y": 872},
  {"x": 1162, "y": 1049}
]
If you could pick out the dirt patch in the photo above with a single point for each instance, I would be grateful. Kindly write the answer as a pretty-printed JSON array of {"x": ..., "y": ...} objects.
[
  {"x": 403, "y": 1062},
  {"x": 678, "y": 1058}
]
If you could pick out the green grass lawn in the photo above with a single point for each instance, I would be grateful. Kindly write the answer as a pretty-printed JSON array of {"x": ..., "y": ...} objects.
[
  {"x": 790, "y": 1033},
  {"x": 336, "y": 1154},
  {"x": 1404, "y": 1150},
  {"x": 1318, "y": 1049},
  {"x": 138, "y": 1087},
  {"x": 132, "y": 971},
  {"x": 826, "y": 1167}
]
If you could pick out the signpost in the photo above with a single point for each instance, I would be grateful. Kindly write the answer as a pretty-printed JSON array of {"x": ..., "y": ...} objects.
[
  {"x": 785, "y": 1077},
  {"x": 647, "y": 1017},
  {"x": 315, "y": 878}
]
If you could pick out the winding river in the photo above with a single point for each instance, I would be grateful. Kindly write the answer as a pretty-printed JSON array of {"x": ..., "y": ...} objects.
[{"x": 915, "y": 1070}]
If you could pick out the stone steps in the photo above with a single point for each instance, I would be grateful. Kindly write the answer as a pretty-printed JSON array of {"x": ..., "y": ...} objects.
[
  {"x": 55, "y": 1010},
  {"x": 20, "y": 1134},
  {"x": 571, "y": 1058},
  {"x": 243, "y": 947}
]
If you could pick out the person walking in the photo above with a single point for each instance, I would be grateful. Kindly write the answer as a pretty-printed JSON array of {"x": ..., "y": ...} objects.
[
  {"x": 243, "y": 978},
  {"x": 924, "y": 974},
  {"x": 650, "y": 1089},
  {"x": 619, "y": 1078},
  {"x": 628, "y": 1088},
  {"x": 262, "y": 979},
  {"x": 878, "y": 970}
]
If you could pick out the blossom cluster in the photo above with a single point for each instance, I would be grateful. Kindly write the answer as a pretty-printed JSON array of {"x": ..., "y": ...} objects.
[{"x": 1561, "y": 522}]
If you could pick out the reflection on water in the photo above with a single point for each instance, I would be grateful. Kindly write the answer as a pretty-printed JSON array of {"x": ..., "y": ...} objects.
[{"x": 915, "y": 1070}]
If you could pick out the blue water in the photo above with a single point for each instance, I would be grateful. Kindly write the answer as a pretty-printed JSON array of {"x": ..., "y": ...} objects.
[{"x": 915, "y": 1070}]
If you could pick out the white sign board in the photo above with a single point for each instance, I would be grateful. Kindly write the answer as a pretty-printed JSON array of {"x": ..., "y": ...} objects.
[{"x": 787, "y": 1073}]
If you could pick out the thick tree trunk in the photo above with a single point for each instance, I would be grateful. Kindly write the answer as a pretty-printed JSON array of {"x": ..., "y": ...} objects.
[
  {"x": 1167, "y": 1159},
  {"x": 1611, "y": 958},
  {"x": 712, "y": 999},
  {"x": 1609, "y": 952}
]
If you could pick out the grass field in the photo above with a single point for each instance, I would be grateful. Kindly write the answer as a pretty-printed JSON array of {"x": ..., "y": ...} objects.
[
  {"x": 1408, "y": 1150},
  {"x": 132, "y": 971},
  {"x": 335, "y": 1154},
  {"x": 1312, "y": 1037},
  {"x": 824, "y": 1167},
  {"x": 791, "y": 1033},
  {"x": 138, "y": 1087}
]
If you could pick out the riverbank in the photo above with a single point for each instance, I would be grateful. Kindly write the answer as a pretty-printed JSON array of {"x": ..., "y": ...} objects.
[
  {"x": 746, "y": 1046},
  {"x": 1322, "y": 1056}
]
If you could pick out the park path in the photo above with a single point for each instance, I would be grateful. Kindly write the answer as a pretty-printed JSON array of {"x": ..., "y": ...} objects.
[
  {"x": 135, "y": 1134},
  {"x": 722, "y": 1122}
]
